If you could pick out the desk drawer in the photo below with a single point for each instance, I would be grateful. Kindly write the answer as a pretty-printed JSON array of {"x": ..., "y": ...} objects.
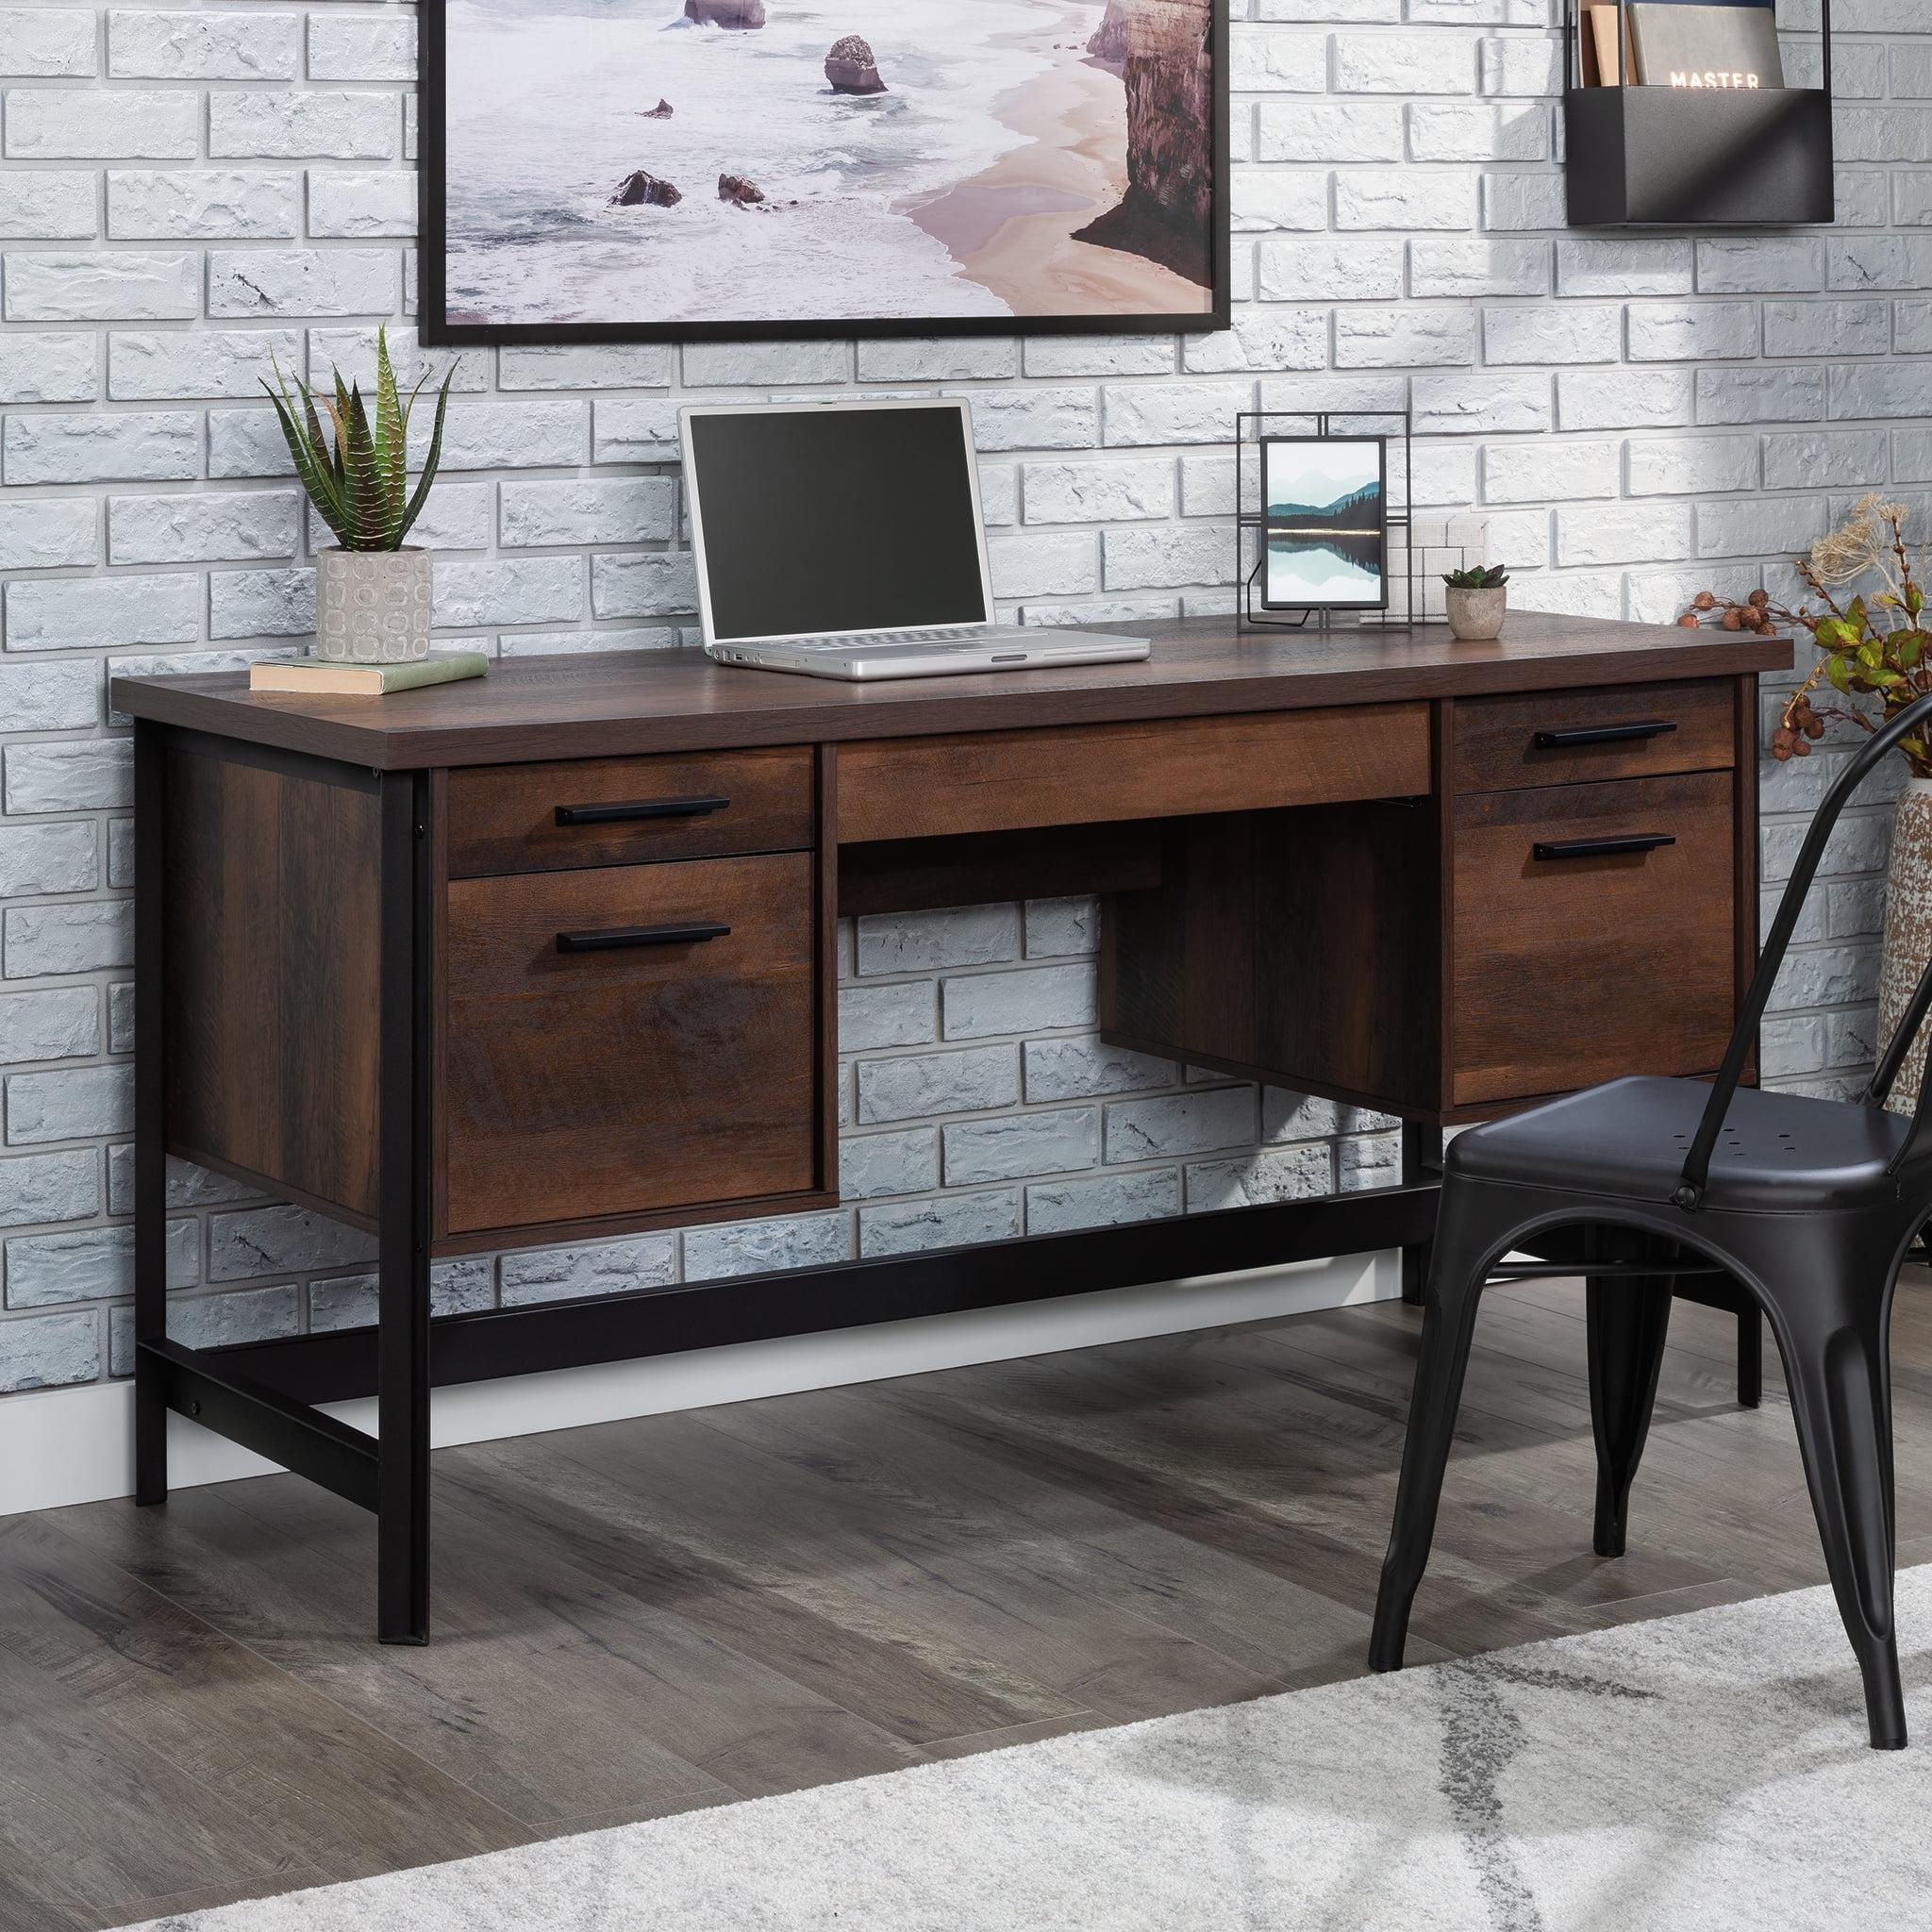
[
  {"x": 1571, "y": 968},
  {"x": 1003, "y": 781},
  {"x": 593, "y": 1069},
  {"x": 618, "y": 811},
  {"x": 1567, "y": 737}
]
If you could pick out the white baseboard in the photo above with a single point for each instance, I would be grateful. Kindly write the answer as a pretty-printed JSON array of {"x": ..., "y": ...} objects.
[{"x": 76, "y": 1445}]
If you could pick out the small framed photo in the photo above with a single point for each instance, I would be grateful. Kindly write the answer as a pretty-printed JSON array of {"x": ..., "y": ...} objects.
[{"x": 1325, "y": 523}]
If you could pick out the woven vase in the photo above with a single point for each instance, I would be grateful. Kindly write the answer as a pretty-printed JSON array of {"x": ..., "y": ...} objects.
[
  {"x": 1908, "y": 930},
  {"x": 372, "y": 607}
]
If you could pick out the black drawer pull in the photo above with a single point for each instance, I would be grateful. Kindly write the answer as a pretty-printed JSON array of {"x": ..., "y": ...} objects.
[
  {"x": 612, "y": 936},
  {"x": 1600, "y": 734},
  {"x": 639, "y": 808},
  {"x": 1601, "y": 848}
]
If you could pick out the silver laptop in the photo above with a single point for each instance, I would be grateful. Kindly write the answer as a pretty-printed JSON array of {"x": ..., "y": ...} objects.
[{"x": 843, "y": 539}]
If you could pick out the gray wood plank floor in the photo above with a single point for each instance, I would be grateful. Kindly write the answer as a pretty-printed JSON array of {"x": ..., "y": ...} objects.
[{"x": 639, "y": 1618}]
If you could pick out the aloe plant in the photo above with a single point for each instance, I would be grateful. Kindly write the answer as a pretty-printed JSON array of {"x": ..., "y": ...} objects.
[{"x": 360, "y": 484}]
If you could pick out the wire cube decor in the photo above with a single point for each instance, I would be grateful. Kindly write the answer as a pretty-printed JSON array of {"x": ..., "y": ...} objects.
[{"x": 1417, "y": 550}]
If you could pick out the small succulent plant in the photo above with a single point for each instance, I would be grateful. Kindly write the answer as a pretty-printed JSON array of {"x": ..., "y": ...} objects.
[
  {"x": 1481, "y": 577},
  {"x": 359, "y": 485}
]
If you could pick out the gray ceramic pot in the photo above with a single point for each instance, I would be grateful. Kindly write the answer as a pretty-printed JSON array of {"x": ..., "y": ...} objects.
[
  {"x": 1476, "y": 616},
  {"x": 372, "y": 607}
]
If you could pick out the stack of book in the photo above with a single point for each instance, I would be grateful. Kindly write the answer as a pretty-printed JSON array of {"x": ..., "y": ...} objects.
[
  {"x": 331, "y": 678},
  {"x": 1686, "y": 43}
]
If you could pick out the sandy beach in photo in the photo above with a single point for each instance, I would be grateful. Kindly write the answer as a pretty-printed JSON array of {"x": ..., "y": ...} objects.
[{"x": 1012, "y": 226}]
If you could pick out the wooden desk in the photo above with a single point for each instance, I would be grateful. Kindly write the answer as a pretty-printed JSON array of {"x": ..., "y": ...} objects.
[{"x": 549, "y": 956}]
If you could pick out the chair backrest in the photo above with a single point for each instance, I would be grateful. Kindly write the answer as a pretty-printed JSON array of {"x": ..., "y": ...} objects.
[{"x": 1914, "y": 718}]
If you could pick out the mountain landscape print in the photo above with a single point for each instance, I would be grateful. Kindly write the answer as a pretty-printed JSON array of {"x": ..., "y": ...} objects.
[{"x": 1326, "y": 522}]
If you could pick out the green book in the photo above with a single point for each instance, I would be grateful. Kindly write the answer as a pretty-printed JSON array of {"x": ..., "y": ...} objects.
[{"x": 315, "y": 675}]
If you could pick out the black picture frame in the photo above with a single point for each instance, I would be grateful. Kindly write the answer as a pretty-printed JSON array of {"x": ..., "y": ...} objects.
[
  {"x": 436, "y": 330},
  {"x": 1269, "y": 525}
]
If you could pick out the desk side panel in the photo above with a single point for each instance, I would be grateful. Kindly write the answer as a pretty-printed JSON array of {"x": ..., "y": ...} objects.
[
  {"x": 1302, "y": 947},
  {"x": 271, "y": 998}
]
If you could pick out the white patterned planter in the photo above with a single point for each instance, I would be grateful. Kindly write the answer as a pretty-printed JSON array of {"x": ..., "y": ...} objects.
[
  {"x": 1908, "y": 931},
  {"x": 372, "y": 607}
]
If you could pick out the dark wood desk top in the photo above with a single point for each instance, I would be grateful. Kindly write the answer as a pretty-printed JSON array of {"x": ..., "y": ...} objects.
[{"x": 604, "y": 703}]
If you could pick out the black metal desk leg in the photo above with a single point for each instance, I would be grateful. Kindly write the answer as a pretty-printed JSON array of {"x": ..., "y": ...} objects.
[
  {"x": 402, "y": 1517},
  {"x": 150, "y": 1112},
  {"x": 1421, "y": 1162}
]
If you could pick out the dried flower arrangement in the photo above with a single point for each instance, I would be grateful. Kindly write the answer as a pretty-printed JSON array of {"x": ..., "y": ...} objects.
[{"x": 1870, "y": 646}]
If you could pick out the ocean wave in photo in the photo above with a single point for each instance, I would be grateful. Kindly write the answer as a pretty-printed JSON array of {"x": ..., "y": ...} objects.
[{"x": 547, "y": 102}]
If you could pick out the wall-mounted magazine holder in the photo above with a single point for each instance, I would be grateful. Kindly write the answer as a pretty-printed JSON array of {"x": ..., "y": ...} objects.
[{"x": 1687, "y": 158}]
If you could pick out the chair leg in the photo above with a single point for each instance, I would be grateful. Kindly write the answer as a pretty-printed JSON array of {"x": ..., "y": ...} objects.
[
  {"x": 1627, "y": 1322},
  {"x": 1832, "y": 1330},
  {"x": 1750, "y": 1355},
  {"x": 1466, "y": 1242}
]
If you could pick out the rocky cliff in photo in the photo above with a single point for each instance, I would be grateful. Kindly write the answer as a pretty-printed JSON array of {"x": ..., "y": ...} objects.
[
  {"x": 1167, "y": 213},
  {"x": 1110, "y": 41}
]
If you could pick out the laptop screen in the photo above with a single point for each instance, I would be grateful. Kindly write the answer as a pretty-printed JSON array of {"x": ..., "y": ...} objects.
[{"x": 834, "y": 517}]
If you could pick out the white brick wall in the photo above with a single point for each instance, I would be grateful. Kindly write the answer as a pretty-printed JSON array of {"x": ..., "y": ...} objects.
[{"x": 188, "y": 192}]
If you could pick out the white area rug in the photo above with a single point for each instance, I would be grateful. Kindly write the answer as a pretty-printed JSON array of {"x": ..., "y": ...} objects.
[{"x": 1691, "y": 1774}]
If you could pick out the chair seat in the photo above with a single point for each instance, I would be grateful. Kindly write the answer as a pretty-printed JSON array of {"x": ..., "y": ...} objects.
[{"x": 1778, "y": 1153}]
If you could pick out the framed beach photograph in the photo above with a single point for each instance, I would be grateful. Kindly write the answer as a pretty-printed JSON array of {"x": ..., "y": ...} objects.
[
  {"x": 718, "y": 170},
  {"x": 1325, "y": 523}
]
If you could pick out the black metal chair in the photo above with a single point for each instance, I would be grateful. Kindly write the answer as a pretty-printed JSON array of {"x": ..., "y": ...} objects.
[{"x": 1809, "y": 1205}]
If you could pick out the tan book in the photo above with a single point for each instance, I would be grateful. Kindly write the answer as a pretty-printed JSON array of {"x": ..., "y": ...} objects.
[
  {"x": 1611, "y": 39},
  {"x": 321, "y": 680}
]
